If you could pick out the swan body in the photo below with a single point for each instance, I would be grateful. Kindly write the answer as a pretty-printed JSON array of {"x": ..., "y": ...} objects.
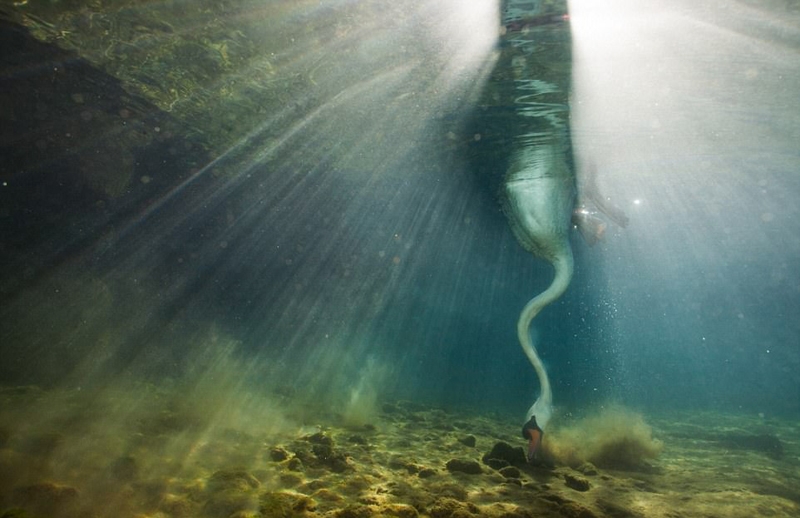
[{"x": 539, "y": 188}]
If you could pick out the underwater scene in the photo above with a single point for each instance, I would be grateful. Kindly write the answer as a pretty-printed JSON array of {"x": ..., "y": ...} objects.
[{"x": 407, "y": 258}]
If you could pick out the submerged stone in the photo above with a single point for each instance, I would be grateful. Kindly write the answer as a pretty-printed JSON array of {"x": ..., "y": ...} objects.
[
  {"x": 354, "y": 511},
  {"x": 232, "y": 479},
  {"x": 426, "y": 473},
  {"x": 448, "y": 507},
  {"x": 576, "y": 483},
  {"x": 278, "y": 454},
  {"x": 510, "y": 472},
  {"x": 497, "y": 464},
  {"x": 468, "y": 440},
  {"x": 177, "y": 506},
  {"x": 469, "y": 467},
  {"x": 323, "y": 454},
  {"x": 514, "y": 456},
  {"x": 357, "y": 439},
  {"x": 290, "y": 479},
  {"x": 319, "y": 438},
  {"x": 576, "y": 510},
  {"x": 295, "y": 464},
  {"x": 284, "y": 505},
  {"x": 229, "y": 501}
]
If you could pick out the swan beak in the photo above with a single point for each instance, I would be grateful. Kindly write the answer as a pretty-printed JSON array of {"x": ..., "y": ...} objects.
[
  {"x": 533, "y": 433},
  {"x": 534, "y": 440}
]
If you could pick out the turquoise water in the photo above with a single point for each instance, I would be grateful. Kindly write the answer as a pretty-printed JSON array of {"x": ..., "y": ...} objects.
[{"x": 294, "y": 207}]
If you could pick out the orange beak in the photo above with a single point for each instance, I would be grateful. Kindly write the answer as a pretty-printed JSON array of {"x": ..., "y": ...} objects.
[{"x": 534, "y": 440}]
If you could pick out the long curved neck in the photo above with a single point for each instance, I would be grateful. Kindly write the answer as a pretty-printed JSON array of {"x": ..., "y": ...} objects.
[{"x": 563, "y": 265}]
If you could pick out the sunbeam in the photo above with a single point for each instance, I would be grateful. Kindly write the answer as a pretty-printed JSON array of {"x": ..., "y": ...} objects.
[{"x": 262, "y": 258}]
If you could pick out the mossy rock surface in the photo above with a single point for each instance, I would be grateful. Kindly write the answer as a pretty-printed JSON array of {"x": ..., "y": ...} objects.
[{"x": 283, "y": 504}]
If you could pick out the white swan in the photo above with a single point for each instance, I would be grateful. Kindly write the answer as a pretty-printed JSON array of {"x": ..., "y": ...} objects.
[{"x": 538, "y": 201}]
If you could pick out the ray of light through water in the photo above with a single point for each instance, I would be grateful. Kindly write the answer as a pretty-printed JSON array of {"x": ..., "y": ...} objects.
[
  {"x": 302, "y": 223},
  {"x": 683, "y": 109},
  {"x": 227, "y": 222}
]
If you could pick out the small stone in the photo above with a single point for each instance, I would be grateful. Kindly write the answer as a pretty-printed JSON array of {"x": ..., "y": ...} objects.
[
  {"x": 354, "y": 511},
  {"x": 452, "y": 508},
  {"x": 232, "y": 479},
  {"x": 278, "y": 454},
  {"x": 412, "y": 469},
  {"x": 357, "y": 439},
  {"x": 497, "y": 464},
  {"x": 468, "y": 440},
  {"x": 313, "y": 485},
  {"x": 426, "y": 473},
  {"x": 588, "y": 469},
  {"x": 290, "y": 479},
  {"x": 398, "y": 510},
  {"x": 575, "y": 510},
  {"x": 326, "y": 495},
  {"x": 469, "y": 467},
  {"x": 319, "y": 438},
  {"x": 334, "y": 461},
  {"x": 177, "y": 506},
  {"x": 576, "y": 483},
  {"x": 504, "y": 451},
  {"x": 281, "y": 503},
  {"x": 510, "y": 472},
  {"x": 396, "y": 463},
  {"x": 613, "y": 509}
]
